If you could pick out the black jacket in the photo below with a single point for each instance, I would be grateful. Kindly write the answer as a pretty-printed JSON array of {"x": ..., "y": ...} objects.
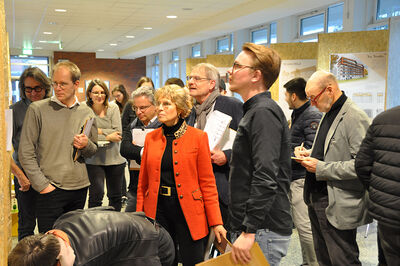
[
  {"x": 378, "y": 167},
  {"x": 127, "y": 116},
  {"x": 305, "y": 120},
  {"x": 261, "y": 169},
  {"x": 101, "y": 236}
]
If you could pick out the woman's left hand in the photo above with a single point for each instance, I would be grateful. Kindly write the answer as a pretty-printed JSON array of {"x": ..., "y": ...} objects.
[{"x": 219, "y": 231}]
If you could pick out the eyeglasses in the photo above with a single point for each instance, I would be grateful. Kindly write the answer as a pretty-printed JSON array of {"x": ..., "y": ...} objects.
[
  {"x": 314, "y": 99},
  {"x": 141, "y": 108},
  {"x": 237, "y": 67},
  {"x": 36, "y": 89},
  {"x": 98, "y": 93},
  {"x": 196, "y": 78},
  {"x": 62, "y": 85}
]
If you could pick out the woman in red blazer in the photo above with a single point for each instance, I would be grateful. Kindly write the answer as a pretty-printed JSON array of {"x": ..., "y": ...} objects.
[{"x": 176, "y": 181}]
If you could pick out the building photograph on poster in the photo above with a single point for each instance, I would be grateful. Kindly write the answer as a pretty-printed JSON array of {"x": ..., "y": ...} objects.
[
  {"x": 291, "y": 69},
  {"x": 362, "y": 76}
]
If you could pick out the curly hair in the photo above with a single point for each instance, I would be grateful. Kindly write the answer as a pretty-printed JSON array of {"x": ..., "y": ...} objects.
[{"x": 179, "y": 96}]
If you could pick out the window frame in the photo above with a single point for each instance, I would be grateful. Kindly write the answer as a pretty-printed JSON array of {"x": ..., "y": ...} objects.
[
  {"x": 174, "y": 61},
  {"x": 230, "y": 50},
  {"x": 156, "y": 64},
  {"x": 191, "y": 50},
  {"x": 262, "y": 27}
]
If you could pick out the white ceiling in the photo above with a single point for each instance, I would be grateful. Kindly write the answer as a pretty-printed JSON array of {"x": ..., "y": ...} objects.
[{"x": 90, "y": 25}]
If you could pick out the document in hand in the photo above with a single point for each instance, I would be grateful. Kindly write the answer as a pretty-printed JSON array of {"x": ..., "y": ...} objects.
[
  {"x": 138, "y": 136},
  {"x": 85, "y": 130},
  {"x": 218, "y": 131},
  {"x": 257, "y": 259}
]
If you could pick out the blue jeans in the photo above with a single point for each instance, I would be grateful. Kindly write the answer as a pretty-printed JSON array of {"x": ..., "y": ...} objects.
[{"x": 273, "y": 245}]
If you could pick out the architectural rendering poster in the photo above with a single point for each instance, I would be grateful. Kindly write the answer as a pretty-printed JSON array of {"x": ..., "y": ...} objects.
[
  {"x": 362, "y": 76},
  {"x": 293, "y": 69}
]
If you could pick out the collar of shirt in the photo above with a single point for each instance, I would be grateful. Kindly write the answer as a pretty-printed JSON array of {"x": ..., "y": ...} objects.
[
  {"x": 339, "y": 103},
  {"x": 256, "y": 98},
  {"x": 54, "y": 99},
  {"x": 298, "y": 111}
]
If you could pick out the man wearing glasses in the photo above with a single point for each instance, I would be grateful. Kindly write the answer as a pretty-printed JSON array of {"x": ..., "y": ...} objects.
[
  {"x": 203, "y": 84},
  {"x": 52, "y": 130},
  {"x": 260, "y": 166},
  {"x": 33, "y": 86},
  {"x": 335, "y": 197}
]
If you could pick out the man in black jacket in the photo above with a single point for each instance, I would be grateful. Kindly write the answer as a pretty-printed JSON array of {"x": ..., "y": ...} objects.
[
  {"x": 304, "y": 124},
  {"x": 203, "y": 84},
  {"x": 98, "y": 236},
  {"x": 378, "y": 167},
  {"x": 260, "y": 166}
]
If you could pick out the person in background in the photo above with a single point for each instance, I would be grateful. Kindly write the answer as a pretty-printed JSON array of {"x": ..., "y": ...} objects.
[
  {"x": 222, "y": 87},
  {"x": 377, "y": 166},
  {"x": 336, "y": 199},
  {"x": 260, "y": 164},
  {"x": 203, "y": 84},
  {"x": 176, "y": 181},
  {"x": 51, "y": 134},
  {"x": 144, "y": 105},
  {"x": 34, "y": 86},
  {"x": 304, "y": 123},
  {"x": 106, "y": 164},
  {"x": 98, "y": 237},
  {"x": 121, "y": 96},
  {"x": 176, "y": 81},
  {"x": 128, "y": 114}
]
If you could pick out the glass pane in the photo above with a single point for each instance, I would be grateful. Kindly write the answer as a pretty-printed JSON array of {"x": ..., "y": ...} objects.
[
  {"x": 313, "y": 24},
  {"x": 259, "y": 36},
  {"x": 273, "y": 38},
  {"x": 30, "y": 60},
  {"x": 310, "y": 40},
  {"x": 175, "y": 55},
  {"x": 196, "y": 51},
  {"x": 384, "y": 27},
  {"x": 223, "y": 45},
  {"x": 335, "y": 18},
  {"x": 156, "y": 60},
  {"x": 387, "y": 8},
  {"x": 155, "y": 76},
  {"x": 173, "y": 70},
  {"x": 15, "y": 91}
]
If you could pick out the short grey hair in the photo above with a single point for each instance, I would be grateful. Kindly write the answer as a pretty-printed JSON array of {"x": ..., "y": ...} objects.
[
  {"x": 145, "y": 91},
  {"x": 211, "y": 71}
]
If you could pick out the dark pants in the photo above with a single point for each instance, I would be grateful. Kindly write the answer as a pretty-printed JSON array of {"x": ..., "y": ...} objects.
[
  {"x": 113, "y": 176},
  {"x": 26, "y": 210},
  {"x": 170, "y": 216},
  {"x": 52, "y": 205},
  {"x": 390, "y": 241},
  {"x": 332, "y": 246},
  {"x": 132, "y": 191}
]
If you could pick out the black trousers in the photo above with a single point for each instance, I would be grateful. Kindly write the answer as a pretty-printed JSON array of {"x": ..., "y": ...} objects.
[
  {"x": 390, "y": 241},
  {"x": 26, "y": 210},
  {"x": 52, "y": 205},
  {"x": 170, "y": 216},
  {"x": 113, "y": 176},
  {"x": 332, "y": 246},
  {"x": 132, "y": 191}
]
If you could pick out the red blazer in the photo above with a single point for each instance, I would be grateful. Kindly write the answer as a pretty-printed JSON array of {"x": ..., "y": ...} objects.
[{"x": 194, "y": 179}]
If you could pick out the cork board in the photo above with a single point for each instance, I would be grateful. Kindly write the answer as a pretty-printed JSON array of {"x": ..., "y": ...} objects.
[
  {"x": 350, "y": 42},
  {"x": 5, "y": 206},
  {"x": 292, "y": 51}
]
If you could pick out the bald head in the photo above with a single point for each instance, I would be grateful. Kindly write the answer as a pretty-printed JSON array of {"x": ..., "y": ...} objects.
[{"x": 323, "y": 90}]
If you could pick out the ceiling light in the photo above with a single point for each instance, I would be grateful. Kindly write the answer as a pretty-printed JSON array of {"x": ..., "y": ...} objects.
[
  {"x": 43, "y": 41},
  {"x": 130, "y": 36},
  {"x": 60, "y": 10},
  {"x": 147, "y": 28},
  {"x": 47, "y": 32},
  {"x": 100, "y": 50},
  {"x": 113, "y": 44},
  {"x": 38, "y": 48},
  {"x": 172, "y": 16},
  {"x": 52, "y": 23}
]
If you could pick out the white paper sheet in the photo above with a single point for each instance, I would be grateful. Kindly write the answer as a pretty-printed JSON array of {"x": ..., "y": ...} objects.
[
  {"x": 138, "y": 136},
  {"x": 216, "y": 126}
]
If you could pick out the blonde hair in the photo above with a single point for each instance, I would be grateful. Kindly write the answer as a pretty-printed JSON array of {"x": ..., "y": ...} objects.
[
  {"x": 179, "y": 96},
  {"x": 73, "y": 69}
]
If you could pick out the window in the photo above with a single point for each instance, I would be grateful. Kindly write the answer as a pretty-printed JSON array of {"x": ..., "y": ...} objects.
[
  {"x": 173, "y": 67},
  {"x": 272, "y": 33},
  {"x": 387, "y": 8},
  {"x": 224, "y": 44},
  {"x": 155, "y": 71},
  {"x": 19, "y": 64},
  {"x": 329, "y": 19},
  {"x": 259, "y": 36},
  {"x": 196, "y": 50},
  {"x": 335, "y": 18}
]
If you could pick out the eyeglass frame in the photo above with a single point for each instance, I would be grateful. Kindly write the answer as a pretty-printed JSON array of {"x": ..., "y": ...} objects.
[
  {"x": 30, "y": 89},
  {"x": 62, "y": 85},
  {"x": 235, "y": 69},
  {"x": 196, "y": 78},
  {"x": 141, "y": 108},
  {"x": 314, "y": 100}
]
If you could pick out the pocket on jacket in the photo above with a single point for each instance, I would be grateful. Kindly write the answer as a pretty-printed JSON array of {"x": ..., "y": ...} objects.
[{"x": 198, "y": 201}]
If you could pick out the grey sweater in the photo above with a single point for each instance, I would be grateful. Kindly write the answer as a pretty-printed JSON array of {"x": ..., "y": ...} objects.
[
  {"x": 109, "y": 154},
  {"x": 46, "y": 146}
]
